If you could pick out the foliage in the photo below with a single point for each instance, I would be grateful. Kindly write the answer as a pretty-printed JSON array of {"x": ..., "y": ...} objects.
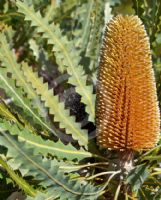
[{"x": 49, "y": 54}]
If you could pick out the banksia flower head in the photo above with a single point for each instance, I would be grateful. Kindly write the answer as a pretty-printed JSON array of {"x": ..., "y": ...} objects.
[{"x": 127, "y": 113}]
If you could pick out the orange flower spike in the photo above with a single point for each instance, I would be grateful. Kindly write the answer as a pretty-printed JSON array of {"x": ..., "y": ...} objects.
[{"x": 127, "y": 113}]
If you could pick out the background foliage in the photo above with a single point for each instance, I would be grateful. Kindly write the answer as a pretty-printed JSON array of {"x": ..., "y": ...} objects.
[{"x": 49, "y": 55}]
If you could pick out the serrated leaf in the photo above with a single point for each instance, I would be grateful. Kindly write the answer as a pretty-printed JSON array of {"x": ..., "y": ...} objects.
[
  {"x": 46, "y": 171},
  {"x": 62, "y": 46},
  {"x": 55, "y": 107},
  {"x": 83, "y": 14},
  {"x": 16, "y": 94},
  {"x": 97, "y": 23},
  {"x": 19, "y": 180},
  {"x": 8, "y": 59},
  {"x": 44, "y": 147},
  {"x": 137, "y": 176}
]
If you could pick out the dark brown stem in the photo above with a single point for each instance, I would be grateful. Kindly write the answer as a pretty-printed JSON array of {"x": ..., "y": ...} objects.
[
  {"x": 126, "y": 161},
  {"x": 125, "y": 165}
]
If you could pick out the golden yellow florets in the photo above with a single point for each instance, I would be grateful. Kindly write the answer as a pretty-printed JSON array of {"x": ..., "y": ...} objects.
[{"x": 127, "y": 113}]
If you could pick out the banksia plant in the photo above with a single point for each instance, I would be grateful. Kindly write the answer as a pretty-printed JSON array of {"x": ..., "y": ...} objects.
[
  {"x": 49, "y": 52},
  {"x": 127, "y": 115}
]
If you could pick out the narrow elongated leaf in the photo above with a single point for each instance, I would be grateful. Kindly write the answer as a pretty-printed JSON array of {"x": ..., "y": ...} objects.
[
  {"x": 10, "y": 65},
  {"x": 19, "y": 99},
  {"x": 44, "y": 147},
  {"x": 137, "y": 177},
  {"x": 19, "y": 180},
  {"x": 66, "y": 55},
  {"x": 94, "y": 43},
  {"x": 46, "y": 171},
  {"x": 55, "y": 107},
  {"x": 8, "y": 61},
  {"x": 83, "y": 14}
]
